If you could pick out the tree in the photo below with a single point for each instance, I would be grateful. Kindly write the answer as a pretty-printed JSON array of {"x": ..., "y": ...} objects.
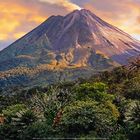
[
  {"x": 18, "y": 118},
  {"x": 96, "y": 91},
  {"x": 131, "y": 89},
  {"x": 11, "y": 111},
  {"x": 82, "y": 117},
  {"x": 132, "y": 120},
  {"x": 134, "y": 64}
]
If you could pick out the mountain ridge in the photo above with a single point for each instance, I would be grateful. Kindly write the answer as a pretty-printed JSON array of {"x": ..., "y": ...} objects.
[{"x": 78, "y": 40}]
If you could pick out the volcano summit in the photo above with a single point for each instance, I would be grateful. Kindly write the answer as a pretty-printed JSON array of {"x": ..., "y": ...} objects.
[{"x": 79, "y": 42}]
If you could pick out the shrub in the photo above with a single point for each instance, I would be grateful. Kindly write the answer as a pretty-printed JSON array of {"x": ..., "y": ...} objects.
[
  {"x": 11, "y": 111},
  {"x": 132, "y": 120},
  {"x": 40, "y": 130},
  {"x": 85, "y": 116},
  {"x": 18, "y": 118},
  {"x": 96, "y": 91}
]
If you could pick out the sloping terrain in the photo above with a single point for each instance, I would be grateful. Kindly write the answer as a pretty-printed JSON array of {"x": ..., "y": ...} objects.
[{"x": 79, "y": 41}]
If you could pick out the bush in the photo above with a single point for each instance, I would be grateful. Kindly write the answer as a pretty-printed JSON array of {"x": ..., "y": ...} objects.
[
  {"x": 18, "y": 118},
  {"x": 81, "y": 117},
  {"x": 11, "y": 111},
  {"x": 40, "y": 130},
  {"x": 96, "y": 91},
  {"x": 132, "y": 88},
  {"x": 132, "y": 120}
]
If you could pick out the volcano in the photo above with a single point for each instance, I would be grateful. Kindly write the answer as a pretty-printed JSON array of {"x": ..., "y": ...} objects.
[{"x": 77, "y": 42}]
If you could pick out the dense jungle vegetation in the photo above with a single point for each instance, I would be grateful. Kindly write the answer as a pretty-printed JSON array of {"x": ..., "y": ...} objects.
[{"x": 105, "y": 106}]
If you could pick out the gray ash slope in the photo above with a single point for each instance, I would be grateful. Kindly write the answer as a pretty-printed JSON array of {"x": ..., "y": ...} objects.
[{"x": 79, "y": 40}]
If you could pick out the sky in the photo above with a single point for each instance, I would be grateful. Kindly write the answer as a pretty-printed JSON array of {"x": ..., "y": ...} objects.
[{"x": 18, "y": 17}]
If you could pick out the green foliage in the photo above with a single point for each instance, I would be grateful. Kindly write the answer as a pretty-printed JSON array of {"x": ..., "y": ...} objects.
[
  {"x": 132, "y": 88},
  {"x": 11, "y": 111},
  {"x": 18, "y": 125},
  {"x": 38, "y": 130},
  {"x": 24, "y": 118},
  {"x": 7, "y": 101},
  {"x": 118, "y": 75},
  {"x": 132, "y": 119},
  {"x": 8, "y": 132},
  {"x": 18, "y": 117},
  {"x": 106, "y": 105},
  {"x": 120, "y": 134},
  {"x": 96, "y": 91},
  {"x": 85, "y": 116}
]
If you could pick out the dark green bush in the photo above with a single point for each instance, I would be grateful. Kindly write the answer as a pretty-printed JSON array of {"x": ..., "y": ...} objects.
[
  {"x": 95, "y": 91},
  {"x": 81, "y": 117}
]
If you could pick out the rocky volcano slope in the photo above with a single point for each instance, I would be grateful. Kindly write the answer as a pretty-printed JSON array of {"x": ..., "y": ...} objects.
[{"x": 76, "y": 41}]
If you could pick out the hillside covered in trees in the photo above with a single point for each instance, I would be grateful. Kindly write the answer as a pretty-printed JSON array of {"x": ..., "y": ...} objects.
[{"x": 105, "y": 106}]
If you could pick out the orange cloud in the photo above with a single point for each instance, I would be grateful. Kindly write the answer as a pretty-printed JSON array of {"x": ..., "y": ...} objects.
[
  {"x": 19, "y": 35},
  {"x": 37, "y": 19},
  {"x": 3, "y": 37},
  {"x": 13, "y": 16},
  {"x": 21, "y": 16},
  {"x": 8, "y": 25}
]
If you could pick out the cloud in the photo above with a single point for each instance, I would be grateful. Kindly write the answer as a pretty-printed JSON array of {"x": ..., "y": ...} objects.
[
  {"x": 19, "y": 34},
  {"x": 65, "y": 3},
  {"x": 24, "y": 15},
  {"x": 6, "y": 27},
  {"x": 14, "y": 15},
  {"x": 18, "y": 17}
]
